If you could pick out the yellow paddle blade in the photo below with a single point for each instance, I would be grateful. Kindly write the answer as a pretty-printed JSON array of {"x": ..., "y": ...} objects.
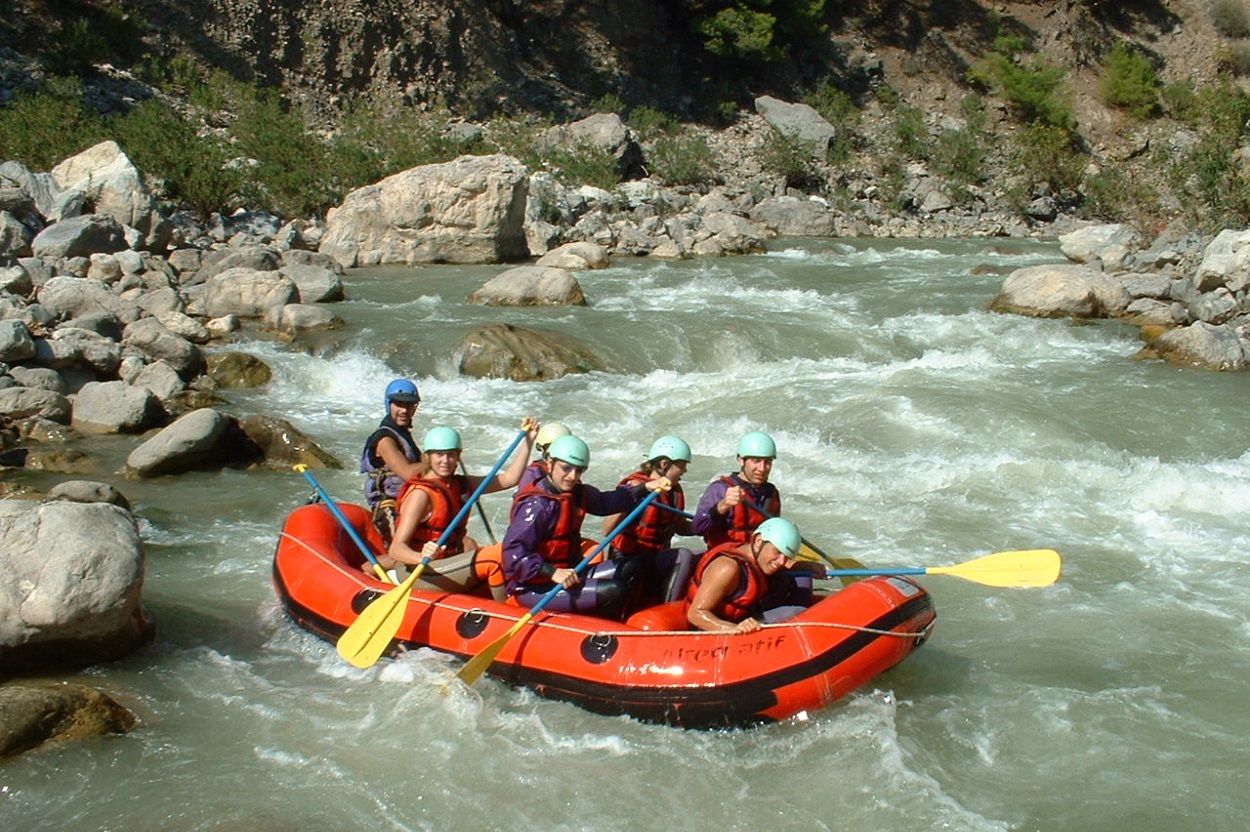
[
  {"x": 364, "y": 642},
  {"x": 477, "y": 665},
  {"x": 1025, "y": 568}
]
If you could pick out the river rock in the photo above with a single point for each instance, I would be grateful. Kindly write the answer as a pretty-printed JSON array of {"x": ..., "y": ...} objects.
[
  {"x": 79, "y": 237},
  {"x": 790, "y": 216},
  {"x": 115, "y": 407},
  {"x": 578, "y": 256},
  {"x": 15, "y": 342},
  {"x": 32, "y": 713},
  {"x": 24, "y": 402},
  {"x": 70, "y": 349},
  {"x": 87, "y": 491},
  {"x": 161, "y": 379},
  {"x": 247, "y": 293},
  {"x": 470, "y": 210},
  {"x": 602, "y": 133},
  {"x": 255, "y": 258},
  {"x": 15, "y": 238},
  {"x": 1058, "y": 291},
  {"x": 733, "y": 234},
  {"x": 282, "y": 444},
  {"x": 109, "y": 181},
  {"x": 797, "y": 121},
  {"x": 194, "y": 440},
  {"x": 1225, "y": 262},
  {"x": 70, "y": 577},
  {"x": 316, "y": 284},
  {"x": 238, "y": 369},
  {"x": 1204, "y": 345},
  {"x": 298, "y": 317},
  {"x": 531, "y": 286},
  {"x": 184, "y": 326},
  {"x": 74, "y": 297},
  {"x": 1110, "y": 244},
  {"x": 149, "y": 339},
  {"x": 15, "y": 280},
  {"x": 40, "y": 378},
  {"x": 506, "y": 351}
]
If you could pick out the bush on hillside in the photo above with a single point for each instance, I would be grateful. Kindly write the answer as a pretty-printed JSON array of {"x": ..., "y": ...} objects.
[
  {"x": 584, "y": 164},
  {"x": 910, "y": 133},
  {"x": 682, "y": 160},
  {"x": 1129, "y": 81},
  {"x": 1235, "y": 58},
  {"x": 792, "y": 159},
  {"x": 375, "y": 141},
  {"x": 1045, "y": 155},
  {"x": 759, "y": 31},
  {"x": 41, "y": 128},
  {"x": 1036, "y": 89},
  {"x": 1231, "y": 18}
]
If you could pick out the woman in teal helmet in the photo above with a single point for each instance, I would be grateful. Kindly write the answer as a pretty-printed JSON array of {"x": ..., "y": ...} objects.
[
  {"x": 644, "y": 552},
  {"x": 428, "y": 503},
  {"x": 739, "y": 587},
  {"x": 730, "y": 507}
]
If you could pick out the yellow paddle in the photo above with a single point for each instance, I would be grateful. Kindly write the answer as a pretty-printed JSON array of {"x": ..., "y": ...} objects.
[
  {"x": 364, "y": 642},
  {"x": 477, "y": 665},
  {"x": 846, "y": 566},
  {"x": 1024, "y": 568}
]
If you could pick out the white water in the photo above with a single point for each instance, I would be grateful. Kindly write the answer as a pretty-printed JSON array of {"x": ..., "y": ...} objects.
[{"x": 914, "y": 428}]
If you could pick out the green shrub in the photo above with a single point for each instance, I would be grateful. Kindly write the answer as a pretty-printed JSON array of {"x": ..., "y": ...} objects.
[
  {"x": 758, "y": 30},
  {"x": 1044, "y": 153},
  {"x": 194, "y": 168},
  {"x": 792, "y": 159},
  {"x": 584, "y": 164},
  {"x": 682, "y": 160},
  {"x": 41, "y": 128},
  {"x": 649, "y": 123},
  {"x": 1231, "y": 18},
  {"x": 1114, "y": 195},
  {"x": 959, "y": 157},
  {"x": 106, "y": 32},
  {"x": 1129, "y": 81},
  {"x": 608, "y": 103},
  {"x": 910, "y": 133},
  {"x": 518, "y": 138},
  {"x": 1036, "y": 89},
  {"x": 1180, "y": 101},
  {"x": 834, "y": 106},
  {"x": 375, "y": 141},
  {"x": 1235, "y": 57}
]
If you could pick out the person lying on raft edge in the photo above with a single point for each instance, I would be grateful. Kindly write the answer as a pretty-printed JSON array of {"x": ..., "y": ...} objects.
[
  {"x": 652, "y": 570},
  {"x": 544, "y": 542},
  {"x": 428, "y": 503},
  {"x": 739, "y": 587},
  {"x": 391, "y": 456},
  {"x": 723, "y": 514},
  {"x": 539, "y": 468}
]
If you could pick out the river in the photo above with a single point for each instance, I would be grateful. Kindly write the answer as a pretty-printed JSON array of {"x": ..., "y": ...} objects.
[{"x": 914, "y": 429}]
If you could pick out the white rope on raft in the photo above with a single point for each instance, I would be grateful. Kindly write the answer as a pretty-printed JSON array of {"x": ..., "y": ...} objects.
[{"x": 555, "y": 625}]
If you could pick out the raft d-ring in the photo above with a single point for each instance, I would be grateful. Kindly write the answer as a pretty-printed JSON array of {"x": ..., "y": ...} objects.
[
  {"x": 471, "y": 623},
  {"x": 363, "y": 599},
  {"x": 598, "y": 648}
]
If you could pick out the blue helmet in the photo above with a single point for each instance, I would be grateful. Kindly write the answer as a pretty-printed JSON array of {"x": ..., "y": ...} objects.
[{"x": 400, "y": 390}]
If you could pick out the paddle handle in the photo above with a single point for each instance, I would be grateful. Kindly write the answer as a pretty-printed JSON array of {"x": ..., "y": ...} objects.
[
  {"x": 585, "y": 562},
  {"x": 343, "y": 521}
]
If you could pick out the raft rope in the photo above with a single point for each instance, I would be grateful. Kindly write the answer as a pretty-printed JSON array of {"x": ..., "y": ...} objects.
[{"x": 543, "y": 622}]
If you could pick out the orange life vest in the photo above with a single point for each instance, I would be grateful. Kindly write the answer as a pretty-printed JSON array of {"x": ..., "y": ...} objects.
[
  {"x": 653, "y": 530},
  {"x": 745, "y": 519},
  {"x": 446, "y": 499},
  {"x": 564, "y": 547},
  {"x": 752, "y": 584}
]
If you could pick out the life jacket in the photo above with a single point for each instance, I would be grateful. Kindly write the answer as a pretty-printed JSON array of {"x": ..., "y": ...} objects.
[
  {"x": 752, "y": 584},
  {"x": 564, "y": 547},
  {"x": 382, "y": 483},
  {"x": 745, "y": 519},
  {"x": 654, "y": 529},
  {"x": 535, "y": 472},
  {"x": 446, "y": 500}
]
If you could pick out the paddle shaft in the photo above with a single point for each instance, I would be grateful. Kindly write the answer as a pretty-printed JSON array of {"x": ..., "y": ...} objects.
[
  {"x": 343, "y": 521},
  {"x": 481, "y": 512},
  {"x": 477, "y": 665}
]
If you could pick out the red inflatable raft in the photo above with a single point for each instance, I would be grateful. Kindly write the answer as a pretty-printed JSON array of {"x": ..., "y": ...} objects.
[{"x": 680, "y": 677}]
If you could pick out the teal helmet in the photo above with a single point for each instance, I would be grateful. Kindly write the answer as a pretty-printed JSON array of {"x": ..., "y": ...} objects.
[
  {"x": 441, "y": 438},
  {"x": 570, "y": 449},
  {"x": 781, "y": 533},
  {"x": 757, "y": 444},
  {"x": 400, "y": 390},
  {"x": 673, "y": 447}
]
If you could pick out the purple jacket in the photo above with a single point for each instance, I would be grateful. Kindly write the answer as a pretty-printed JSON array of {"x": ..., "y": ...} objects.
[
  {"x": 708, "y": 521},
  {"x": 534, "y": 521}
]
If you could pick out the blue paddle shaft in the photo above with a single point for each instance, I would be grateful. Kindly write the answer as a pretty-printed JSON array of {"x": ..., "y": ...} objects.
[
  {"x": 912, "y": 570},
  {"x": 477, "y": 492},
  {"x": 581, "y": 567},
  {"x": 343, "y": 521}
]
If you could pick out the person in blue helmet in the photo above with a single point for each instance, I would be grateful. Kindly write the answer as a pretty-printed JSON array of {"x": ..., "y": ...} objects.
[{"x": 391, "y": 456}]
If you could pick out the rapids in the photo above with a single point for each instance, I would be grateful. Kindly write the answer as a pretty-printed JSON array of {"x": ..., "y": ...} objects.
[{"x": 915, "y": 429}]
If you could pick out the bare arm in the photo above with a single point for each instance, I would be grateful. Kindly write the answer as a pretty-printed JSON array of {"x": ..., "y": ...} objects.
[
  {"x": 720, "y": 579},
  {"x": 415, "y": 508},
  {"x": 393, "y": 456},
  {"x": 512, "y": 475}
]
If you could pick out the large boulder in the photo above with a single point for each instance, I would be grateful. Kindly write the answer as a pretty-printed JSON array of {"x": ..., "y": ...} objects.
[
  {"x": 71, "y": 348},
  {"x": 470, "y": 210},
  {"x": 256, "y": 258},
  {"x": 24, "y": 402},
  {"x": 281, "y": 443},
  {"x": 1061, "y": 291},
  {"x": 790, "y": 216},
  {"x": 107, "y": 179},
  {"x": 797, "y": 121},
  {"x": 80, "y": 236},
  {"x": 600, "y": 133},
  {"x": 34, "y": 713},
  {"x": 316, "y": 284},
  {"x": 1109, "y": 244},
  {"x": 75, "y": 297},
  {"x": 115, "y": 407},
  {"x": 506, "y": 351},
  {"x": 1225, "y": 262},
  {"x": 248, "y": 293},
  {"x": 1204, "y": 345},
  {"x": 531, "y": 286},
  {"x": 150, "y": 339},
  {"x": 70, "y": 578},
  {"x": 238, "y": 369},
  {"x": 195, "y": 440}
]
